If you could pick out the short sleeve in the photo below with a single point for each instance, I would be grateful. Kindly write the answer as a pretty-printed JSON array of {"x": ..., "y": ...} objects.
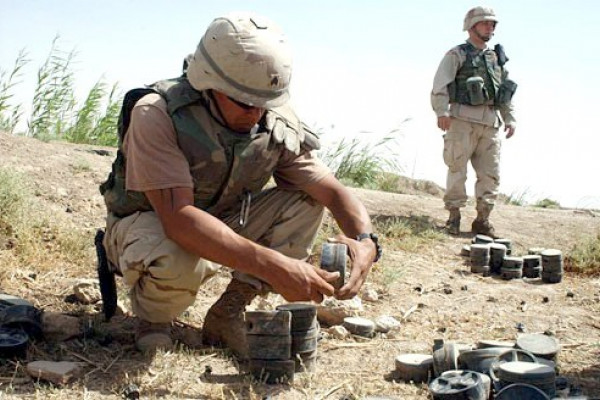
[{"x": 154, "y": 160}]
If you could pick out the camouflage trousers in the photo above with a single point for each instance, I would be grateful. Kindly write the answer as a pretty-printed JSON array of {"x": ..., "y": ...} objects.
[
  {"x": 481, "y": 145},
  {"x": 164, "y": 279}
]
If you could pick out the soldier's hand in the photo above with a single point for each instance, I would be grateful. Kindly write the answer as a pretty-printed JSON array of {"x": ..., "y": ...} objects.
[
  {"x": 510, "y": 130},
  {"x": 362, "y": 255},
  {"x": 297, "y": 280},
  {"x": 443, "y": 123}
]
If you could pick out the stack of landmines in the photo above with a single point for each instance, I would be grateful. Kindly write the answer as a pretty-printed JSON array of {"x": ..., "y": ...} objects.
[
  {"x": 282, "y": 342},
  {"x": 494, "y": 257}
]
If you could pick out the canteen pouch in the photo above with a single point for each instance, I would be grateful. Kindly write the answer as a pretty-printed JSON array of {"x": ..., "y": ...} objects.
[
  {"x": 506, "y": 91},
  {"x": 475, "y": 88}
]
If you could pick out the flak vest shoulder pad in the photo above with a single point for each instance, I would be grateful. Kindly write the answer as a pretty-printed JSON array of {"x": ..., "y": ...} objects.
[{"x": 288, "y": 130}]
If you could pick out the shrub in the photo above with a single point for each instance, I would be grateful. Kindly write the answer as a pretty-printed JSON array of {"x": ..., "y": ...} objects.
[
  {"x": 585, "y": 256},
  {"x": 13, "y": 198},
  {"x": 547, "y": 203}
]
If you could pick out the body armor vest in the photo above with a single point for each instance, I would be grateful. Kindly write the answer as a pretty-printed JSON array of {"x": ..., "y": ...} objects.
[
  {"x": 226, "y": 166},
  {"x": 478, "y": 63}
]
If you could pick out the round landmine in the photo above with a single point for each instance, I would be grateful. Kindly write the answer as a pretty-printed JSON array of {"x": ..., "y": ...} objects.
[
  {"x": 479, "y": 360},
  {"x": 552, "y": 261},
  {"x": 507, "y": 243},
  {"x": 509, "y": 273},
  {"x": 304, "y": 316},
  {"x": 552, "y": 264},
  {"x": 445, "y": 358},
  {"x": 269, "y": 347},
  {"x": 547, "y": 362},
  {"x": 487, "y": 382},
  {"x": 551, "y": 255},
  {"x": 480, "y": 254},
  {"x": 551, "y": 277},
  {"x": 532, "y": 261},
  {"x": 521, "y": 391},
  {"x": 532, "y": 266},
  {"x": 13, "y": 343},
  {"x": 497, "y": 253},
  {"x": 333, "y": 259},
  {"x": 272, "y": 371},
  {"x": 539, "y": 345},
  {"x": 10, "y": 300},
  {"x": 483, "y": 239},
  {"x": 467, "y": 385},
  {"x": 305, "y": 362},
  {"x": 535, "y": 374},
  {"x": 484, "y": 344},
  {"x": 481, "y": 269},
  {"x": 535, "y": 251},
  {"x": 533, "y": 273},
  {"x": 359, "y": 326},
  {"x": 303, "y": 342},
  {"x": 270, "y": 323},
  {"x": 465, "y": 251},
  {"x": 511, "y": 262},
  {"x": 553, "y": 268},
  {"x": 23, "y": 317},
  {"x": 480, "y": 251},
  {"x": 414, "y": 367},
  {"x": 510, "y": 356}
]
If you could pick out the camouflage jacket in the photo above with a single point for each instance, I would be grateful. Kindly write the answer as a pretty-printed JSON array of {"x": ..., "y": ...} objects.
[{"x": 225, "y": 166}]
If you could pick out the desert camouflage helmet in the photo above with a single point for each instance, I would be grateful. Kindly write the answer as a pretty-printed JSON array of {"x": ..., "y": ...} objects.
[
  {"x": 245, "y": 56},
  {"x": 478, "y": 14}
]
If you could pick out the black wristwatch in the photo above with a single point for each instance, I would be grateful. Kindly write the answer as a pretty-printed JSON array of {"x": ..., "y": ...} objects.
[{"x": 375, "y": 239}]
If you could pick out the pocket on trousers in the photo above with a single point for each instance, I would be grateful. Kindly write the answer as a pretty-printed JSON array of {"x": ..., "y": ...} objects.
[{"x": 454, "y": 156}]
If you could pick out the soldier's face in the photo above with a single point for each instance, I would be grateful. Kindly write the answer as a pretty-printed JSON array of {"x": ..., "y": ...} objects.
[
  {"x": 485, "y": 30},
  {"x": 238, "y": 117}
]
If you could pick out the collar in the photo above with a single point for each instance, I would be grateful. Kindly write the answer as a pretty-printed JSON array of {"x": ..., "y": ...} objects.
[{"x": 475, "y": 46}]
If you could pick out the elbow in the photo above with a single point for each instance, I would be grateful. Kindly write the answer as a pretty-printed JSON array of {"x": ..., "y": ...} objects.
[{"x": 171, "y": 227}]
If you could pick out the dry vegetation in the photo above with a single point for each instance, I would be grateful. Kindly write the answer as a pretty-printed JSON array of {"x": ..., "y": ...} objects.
[{"x": 46, "y": 245}]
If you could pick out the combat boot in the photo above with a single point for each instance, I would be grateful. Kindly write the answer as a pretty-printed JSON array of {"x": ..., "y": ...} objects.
[
  {"x": 224, "y": 322},
  {"x": 482, "y": 225},
  {"x": 151, "y": 336},
  {"x": 453, "y": 223}
]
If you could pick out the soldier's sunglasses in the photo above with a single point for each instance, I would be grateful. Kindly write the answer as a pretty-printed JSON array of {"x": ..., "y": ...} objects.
[{"x": 244, "y": 106}]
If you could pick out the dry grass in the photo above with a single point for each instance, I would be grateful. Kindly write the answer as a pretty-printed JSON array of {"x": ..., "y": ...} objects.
[
  {"x": 584, "y": 257},
  {"x": 421, "y": 281}
]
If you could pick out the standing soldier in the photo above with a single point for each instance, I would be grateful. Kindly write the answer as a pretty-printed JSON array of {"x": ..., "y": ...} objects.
[{"x": 470, "y": 93}]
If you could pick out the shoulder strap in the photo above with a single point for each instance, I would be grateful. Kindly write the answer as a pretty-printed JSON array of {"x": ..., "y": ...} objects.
[{"x": 129, "y": 101}]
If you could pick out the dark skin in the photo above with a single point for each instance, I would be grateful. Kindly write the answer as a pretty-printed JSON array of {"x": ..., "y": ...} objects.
[{"x": 208, "y": 237}]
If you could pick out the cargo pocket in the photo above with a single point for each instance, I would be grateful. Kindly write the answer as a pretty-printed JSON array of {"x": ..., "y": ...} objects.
[{"x": 454, "y": 156}]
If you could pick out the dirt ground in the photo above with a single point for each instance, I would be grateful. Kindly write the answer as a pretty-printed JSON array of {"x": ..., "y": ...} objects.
[{"x": 432, "y": 293}]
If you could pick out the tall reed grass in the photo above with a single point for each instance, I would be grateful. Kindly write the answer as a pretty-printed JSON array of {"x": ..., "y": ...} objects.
[
  {"x": 55, "y": 111},
  {"x": 10, "y": 114},
  {"x": 361, "y": 164}
]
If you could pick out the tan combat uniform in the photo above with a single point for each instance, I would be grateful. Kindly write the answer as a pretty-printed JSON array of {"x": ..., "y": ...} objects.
[
  {"x": 164, "y": 278},
  {"x": 473, "y": 135}
]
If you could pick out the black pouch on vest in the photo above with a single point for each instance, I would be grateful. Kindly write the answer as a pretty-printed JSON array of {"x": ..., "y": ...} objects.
[
  {"x": 505, "y": 92},
  {"x": 476, "y": 90}
]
